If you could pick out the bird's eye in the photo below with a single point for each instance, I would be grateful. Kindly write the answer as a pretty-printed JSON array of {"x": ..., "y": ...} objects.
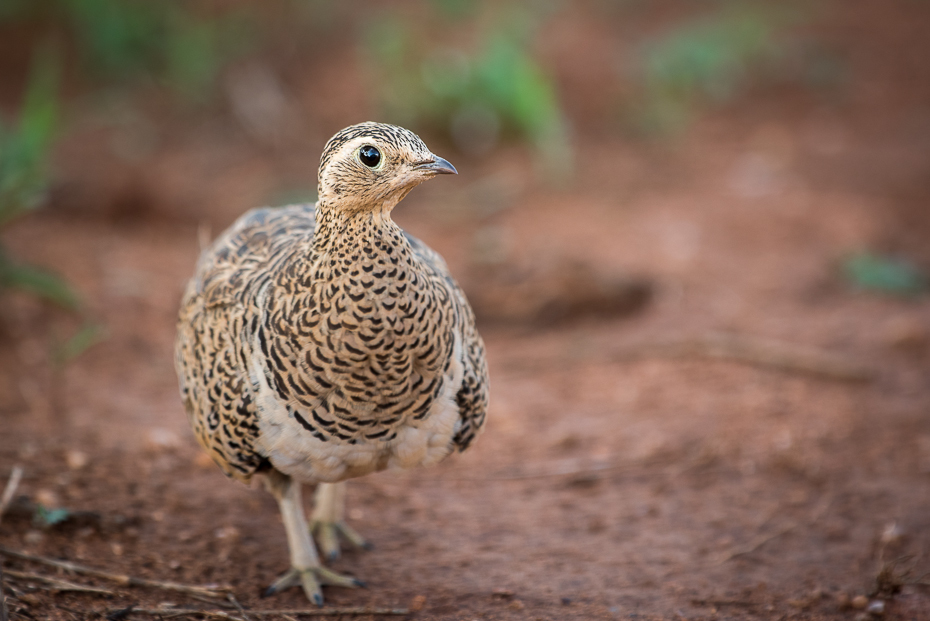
[{"x": 369, "y": 156}]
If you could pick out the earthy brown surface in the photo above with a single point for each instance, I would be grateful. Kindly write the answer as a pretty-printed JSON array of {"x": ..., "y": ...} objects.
[{"x": 607, "y": 486}]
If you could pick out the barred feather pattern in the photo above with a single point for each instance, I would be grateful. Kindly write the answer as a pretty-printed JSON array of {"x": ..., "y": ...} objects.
[{"x": 326, "y": 342}]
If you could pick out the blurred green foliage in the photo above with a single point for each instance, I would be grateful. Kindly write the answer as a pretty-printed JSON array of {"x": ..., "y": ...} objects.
[
  {"x": 24, "y": 148},
  {"x": 456, "y": 9},
  {"x": 872, "y": 272},
  {"x": 86, "y": 337},
  {"x": 116, "y": 42},
  {"x": 477, "y": 97},
  {"x": 119, "y": 40},
  {"x": 24, "y": 145},
  {"x": 707, "y": 60},
  {"x": 46, "y": 518}
]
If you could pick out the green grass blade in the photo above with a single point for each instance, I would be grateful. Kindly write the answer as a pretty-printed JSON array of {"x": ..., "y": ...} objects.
[{"x": 40, "y": 283}]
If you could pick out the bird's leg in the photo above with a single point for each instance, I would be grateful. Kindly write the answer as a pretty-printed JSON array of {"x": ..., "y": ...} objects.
[
  {"x": 328, "y": 520},
  {"x": 305, "y": 564}
]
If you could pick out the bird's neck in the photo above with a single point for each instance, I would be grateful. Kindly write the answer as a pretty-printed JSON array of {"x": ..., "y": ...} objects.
[{"x": 337, "y": 227}]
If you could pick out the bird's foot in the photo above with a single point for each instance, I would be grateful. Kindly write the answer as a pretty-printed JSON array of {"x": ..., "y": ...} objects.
[
  {"x": 327, "y": 537},
  {"x": 311, "y": 579}
]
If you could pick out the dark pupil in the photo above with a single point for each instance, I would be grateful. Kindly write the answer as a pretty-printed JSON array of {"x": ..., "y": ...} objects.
[{"x": 370, "y": 156}]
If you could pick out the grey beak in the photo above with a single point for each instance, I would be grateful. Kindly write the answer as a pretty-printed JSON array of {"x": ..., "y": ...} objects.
[{"x": 437, "y": 166}]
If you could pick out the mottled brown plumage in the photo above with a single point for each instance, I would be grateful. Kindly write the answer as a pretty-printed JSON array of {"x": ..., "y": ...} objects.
[{"x": 318, "y": 343}]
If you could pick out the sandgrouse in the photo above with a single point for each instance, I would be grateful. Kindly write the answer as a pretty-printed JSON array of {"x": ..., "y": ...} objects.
[{"x": 317, "y": 343}]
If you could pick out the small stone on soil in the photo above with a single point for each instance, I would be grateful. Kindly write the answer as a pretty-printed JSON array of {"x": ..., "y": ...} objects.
[
  {"x": 75, "y": 459},
  {"x": 33, "y": 537},
  {"x": 159, "y": 440},
  {"x": 892, "y": 533},
  {"x": 876, "y": 608},
  {"x": 47, "y": 498}
]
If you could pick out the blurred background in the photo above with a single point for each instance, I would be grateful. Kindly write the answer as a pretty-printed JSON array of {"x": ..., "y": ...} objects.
[{"x": 696, "y": 234}]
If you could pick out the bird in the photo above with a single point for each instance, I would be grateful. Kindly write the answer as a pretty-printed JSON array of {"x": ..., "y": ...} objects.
[{"x": 320, "y": 342}]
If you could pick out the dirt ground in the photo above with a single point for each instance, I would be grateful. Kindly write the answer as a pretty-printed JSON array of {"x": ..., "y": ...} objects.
[{"x": 625, "y": 473}]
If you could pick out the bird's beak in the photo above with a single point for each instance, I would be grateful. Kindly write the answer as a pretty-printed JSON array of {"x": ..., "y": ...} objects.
[{"x": 437, "y": 166}]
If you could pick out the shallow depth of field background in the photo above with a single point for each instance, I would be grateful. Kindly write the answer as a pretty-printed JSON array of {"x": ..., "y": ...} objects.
[{"x": 696, "y": 234}]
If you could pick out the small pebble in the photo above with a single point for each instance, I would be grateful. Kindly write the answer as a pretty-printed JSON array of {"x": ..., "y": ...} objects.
[
  {"x": 859, "y": 602},
  {"x": 892, "y": 533},
  {"x": 227, "y": 532},
  {"x": 33, "y": 537},
  {"x": 117, "y": 549},
  {"x": 47, "y": 498},
  {"x": 159, "y": 440},
  {"x": 516, "y": 605},
  {"x": 75, "y": 459},
  {"x": 501, "y": 592},
  {"x": 842, "y": 600},
  {"x": 417, "y": 603},
  {"x": 876, "y": 608}
]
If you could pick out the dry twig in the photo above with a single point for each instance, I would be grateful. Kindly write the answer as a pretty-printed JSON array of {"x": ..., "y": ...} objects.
[
  {"x": 15, "y": 477},
  {"x": 118, "y": 578},
  {"x": 212, "y": 600},
  {"x": 545, "y": 474},
  {"x": 781, "y": 356},
  {"x": 8, "y": 492},
  {"x": 56, "y": 584},
  {"x": 757, "y": 543},
  {"x": 760, "y": 352},
  {"x": 554, "y": 469},
  {"x": 220, "y": 614},
  {"x": 761, "y": 540},
  {"x": 235, "y": 602},
  {"x": 3, "y": 611}
]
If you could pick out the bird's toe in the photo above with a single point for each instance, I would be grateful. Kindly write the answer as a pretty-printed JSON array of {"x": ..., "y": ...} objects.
[
  {"x": 328, "y": 535},
  {"x": 311, "y": 580}
]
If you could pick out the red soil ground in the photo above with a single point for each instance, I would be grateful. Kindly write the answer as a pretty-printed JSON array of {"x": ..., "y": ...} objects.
[{"x": 608, "y": 485}]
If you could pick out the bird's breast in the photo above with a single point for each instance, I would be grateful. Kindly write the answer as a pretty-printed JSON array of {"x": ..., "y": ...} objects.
[{"x": 365, "y": 359}]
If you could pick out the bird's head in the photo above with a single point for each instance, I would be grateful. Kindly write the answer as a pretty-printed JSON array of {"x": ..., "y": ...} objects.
[{"x": 372, "y": 166}]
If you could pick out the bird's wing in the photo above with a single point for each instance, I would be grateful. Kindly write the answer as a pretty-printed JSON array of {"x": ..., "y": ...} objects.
[
  {"x": 240, "y": 262},
  {"x": 218, "y": 315},
  {"x": 473, "y": 395}
]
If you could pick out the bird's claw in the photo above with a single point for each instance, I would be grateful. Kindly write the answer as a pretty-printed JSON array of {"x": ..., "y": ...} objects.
[
  {"x": 311, "y": 580},
  {"x": 327, "y": 536}
]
